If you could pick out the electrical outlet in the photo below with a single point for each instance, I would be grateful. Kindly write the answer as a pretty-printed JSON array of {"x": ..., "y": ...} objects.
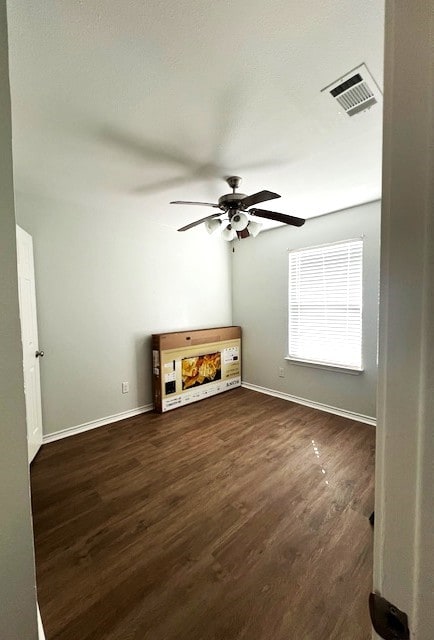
[
  {"x": 281, "y": 372},
  {"x": 125, "y": 387}
]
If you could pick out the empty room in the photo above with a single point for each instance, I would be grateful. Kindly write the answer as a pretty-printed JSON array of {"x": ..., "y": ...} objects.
[{"x": 207, "y": 286}]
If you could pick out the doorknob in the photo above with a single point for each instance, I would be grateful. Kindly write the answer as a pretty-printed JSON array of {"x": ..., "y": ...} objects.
[{"x": 39, "y": 354}]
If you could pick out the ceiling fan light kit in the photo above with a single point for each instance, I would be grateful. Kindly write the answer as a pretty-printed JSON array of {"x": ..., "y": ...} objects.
[
  {"x": 237, "y": 209},
  {"x": 240, "y": 222}
]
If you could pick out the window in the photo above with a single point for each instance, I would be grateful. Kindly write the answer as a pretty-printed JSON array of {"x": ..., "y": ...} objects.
[{"x": 325, "y": 305}]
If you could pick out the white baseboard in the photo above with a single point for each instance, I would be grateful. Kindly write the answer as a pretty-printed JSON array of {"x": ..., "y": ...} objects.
[
  {"x": 314, "y": 405},
  {"x": 41, "y": 634},
  {"x": 93, "y": 424}
]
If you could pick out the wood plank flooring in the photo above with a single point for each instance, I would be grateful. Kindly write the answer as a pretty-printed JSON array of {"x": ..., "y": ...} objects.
[{"x": 240, "y": 517}]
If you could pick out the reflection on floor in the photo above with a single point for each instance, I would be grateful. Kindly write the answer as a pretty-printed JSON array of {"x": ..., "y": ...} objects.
[{"x": 240, "y": 517}]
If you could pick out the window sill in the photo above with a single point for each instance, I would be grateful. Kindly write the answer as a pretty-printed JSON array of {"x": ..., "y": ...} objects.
[{"x": 321, "y": 365}]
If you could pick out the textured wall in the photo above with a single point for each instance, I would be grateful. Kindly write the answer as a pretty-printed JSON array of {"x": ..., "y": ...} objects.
[{"x": 104, "y": 283}]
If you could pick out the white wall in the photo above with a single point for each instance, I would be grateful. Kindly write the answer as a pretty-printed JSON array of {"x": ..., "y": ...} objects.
[
  {"x": 260, "y": 306},
  {"x": 105, "y": 281},
  {"x": 17, "y": 578}
]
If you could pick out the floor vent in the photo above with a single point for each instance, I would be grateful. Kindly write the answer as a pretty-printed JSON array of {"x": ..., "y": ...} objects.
[{"x": 355, "y": 92}]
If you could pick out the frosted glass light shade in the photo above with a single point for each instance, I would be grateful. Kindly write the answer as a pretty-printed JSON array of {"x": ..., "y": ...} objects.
[
  {"x": 212, "y": 225},
  {"x": 254, "y": 228},
  {"x": 229, "y": 233},
  {"x": 239, "y": 221}
]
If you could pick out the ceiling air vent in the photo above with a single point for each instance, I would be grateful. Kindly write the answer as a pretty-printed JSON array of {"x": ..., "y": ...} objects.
[{"x": 355, "y": 92}]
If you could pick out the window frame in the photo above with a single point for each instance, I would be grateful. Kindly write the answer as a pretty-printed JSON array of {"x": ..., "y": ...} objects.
[{"x": 318, "y": 364}]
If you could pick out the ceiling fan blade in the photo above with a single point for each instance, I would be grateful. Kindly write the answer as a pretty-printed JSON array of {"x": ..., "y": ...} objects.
[
  {"x": 154, "y": 152},
  {"x": 243, "y": 234},
  {"x": 261, "y": 196},
  {"x": 279, "y": 217},
  {"x": 202, "y": 204},
  {"x": 162, "y": 185},
  {"x": 194, "y": 224}
]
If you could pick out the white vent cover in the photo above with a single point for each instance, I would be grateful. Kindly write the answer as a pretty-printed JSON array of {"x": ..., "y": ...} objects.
[{"x": 355, "y": 92}]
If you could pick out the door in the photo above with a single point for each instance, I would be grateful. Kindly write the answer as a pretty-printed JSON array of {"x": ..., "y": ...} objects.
[{"x": 29, "y": 337}]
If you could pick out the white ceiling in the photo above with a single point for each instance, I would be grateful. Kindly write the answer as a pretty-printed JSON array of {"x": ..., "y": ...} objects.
[{"x": 116, "y": 103}]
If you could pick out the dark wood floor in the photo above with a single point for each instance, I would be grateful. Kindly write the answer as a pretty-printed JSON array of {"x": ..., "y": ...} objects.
[{"x": 239, "y": 517}]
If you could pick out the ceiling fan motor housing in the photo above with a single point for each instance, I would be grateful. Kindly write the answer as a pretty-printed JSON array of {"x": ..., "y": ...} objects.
[{"x": 231, "y": 201}]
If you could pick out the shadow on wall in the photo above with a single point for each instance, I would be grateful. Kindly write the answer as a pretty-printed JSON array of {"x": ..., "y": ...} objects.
[{"x": 143, "y": 351}]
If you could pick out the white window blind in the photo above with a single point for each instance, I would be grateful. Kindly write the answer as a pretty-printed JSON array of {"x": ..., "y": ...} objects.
[{"x": 325, "y": 304}]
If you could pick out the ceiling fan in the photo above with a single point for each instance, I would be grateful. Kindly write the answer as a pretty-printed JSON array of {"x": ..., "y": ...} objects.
[{"x": 236, "y": 209}]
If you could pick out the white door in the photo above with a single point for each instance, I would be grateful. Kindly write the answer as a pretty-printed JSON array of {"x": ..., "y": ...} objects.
[{"x": 29, "y": 336}]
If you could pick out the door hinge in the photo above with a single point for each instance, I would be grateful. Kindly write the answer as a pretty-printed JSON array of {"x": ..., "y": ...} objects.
[{"x": 388, "y": 621}]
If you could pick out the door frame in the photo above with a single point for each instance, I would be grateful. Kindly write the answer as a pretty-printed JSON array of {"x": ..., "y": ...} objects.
[{"x": 404, "y": 518}]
